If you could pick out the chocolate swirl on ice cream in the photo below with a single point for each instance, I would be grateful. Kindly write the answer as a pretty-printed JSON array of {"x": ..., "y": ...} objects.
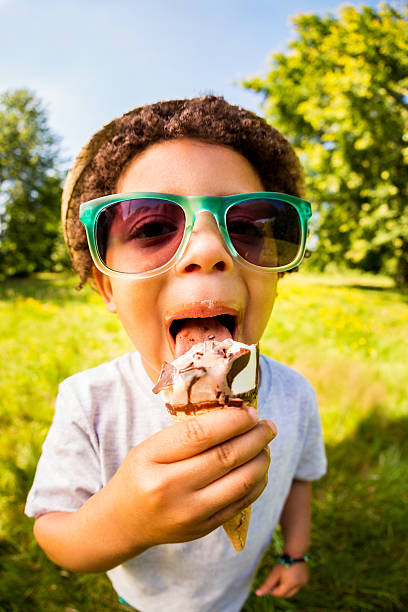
[{"x": 210, "y": 375}]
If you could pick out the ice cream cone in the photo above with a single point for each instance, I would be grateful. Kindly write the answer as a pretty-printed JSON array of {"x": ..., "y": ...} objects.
[
  {"x": 236, "y": 528},
  {"x": 244, "y": 393}
]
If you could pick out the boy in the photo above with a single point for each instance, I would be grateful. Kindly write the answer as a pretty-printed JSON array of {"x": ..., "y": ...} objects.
[{"x": 119, "y": 489}]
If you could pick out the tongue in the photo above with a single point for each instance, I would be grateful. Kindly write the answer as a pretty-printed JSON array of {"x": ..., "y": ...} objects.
[{"x": 199, "y": 330}]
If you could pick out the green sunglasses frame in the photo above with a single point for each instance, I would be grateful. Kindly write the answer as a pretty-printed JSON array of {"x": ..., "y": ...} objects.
[{"x": 192, "y": 206}]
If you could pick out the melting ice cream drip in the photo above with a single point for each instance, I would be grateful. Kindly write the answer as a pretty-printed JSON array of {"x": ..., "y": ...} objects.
[{"x": 212, "y": 373}]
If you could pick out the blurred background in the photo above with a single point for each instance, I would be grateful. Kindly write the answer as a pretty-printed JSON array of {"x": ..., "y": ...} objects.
[{"x": 334, "y": 79}]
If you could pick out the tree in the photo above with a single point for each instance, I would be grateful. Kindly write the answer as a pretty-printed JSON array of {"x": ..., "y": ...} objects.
[
  {"x": 340, "y": 93},
  {"x": 30, "y": 186}
]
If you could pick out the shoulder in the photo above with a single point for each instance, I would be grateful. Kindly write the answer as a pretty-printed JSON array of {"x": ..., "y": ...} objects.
[
  {"x": 110, "y": 398},
  {"x": 103, "y": 375},
  {"x": 106, "y": 384}
]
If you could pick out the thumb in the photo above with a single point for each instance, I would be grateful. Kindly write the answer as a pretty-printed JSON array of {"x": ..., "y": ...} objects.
[
  {"x": 197, "y": 434},
  {"x": 272, "y": 580}
]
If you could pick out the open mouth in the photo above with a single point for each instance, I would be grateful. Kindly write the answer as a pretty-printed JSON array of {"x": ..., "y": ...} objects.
[
  {"x": 189, "y": 331},
  {"x": 224, "y": 320}
]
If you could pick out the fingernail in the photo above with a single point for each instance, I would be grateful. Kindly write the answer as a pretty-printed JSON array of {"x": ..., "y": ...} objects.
[{"x": 272, "y": 425}]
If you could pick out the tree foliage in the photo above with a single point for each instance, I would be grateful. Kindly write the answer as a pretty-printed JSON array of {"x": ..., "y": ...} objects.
[
  {"x": 30, "y": 187},
  {"x": 340, "y": 93}
]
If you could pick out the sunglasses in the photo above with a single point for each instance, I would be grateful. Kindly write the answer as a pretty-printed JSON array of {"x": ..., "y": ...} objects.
[{"x": 139, "y": 235}]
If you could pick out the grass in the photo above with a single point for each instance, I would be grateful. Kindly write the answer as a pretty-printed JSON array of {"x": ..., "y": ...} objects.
[{"x": 347, "y": 335}]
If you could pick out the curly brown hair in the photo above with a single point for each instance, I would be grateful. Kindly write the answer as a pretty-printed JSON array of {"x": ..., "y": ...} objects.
[{"x": 211, "y": 119}]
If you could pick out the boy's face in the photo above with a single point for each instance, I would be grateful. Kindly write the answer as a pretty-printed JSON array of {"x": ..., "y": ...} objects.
[{"x": 206, "y": 281}]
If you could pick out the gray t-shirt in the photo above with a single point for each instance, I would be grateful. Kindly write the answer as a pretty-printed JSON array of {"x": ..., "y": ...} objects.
[{"x": 103, "y": 412}]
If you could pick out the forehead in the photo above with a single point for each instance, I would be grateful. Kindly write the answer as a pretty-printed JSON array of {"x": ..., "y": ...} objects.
[{"x": 189, "y": 167}]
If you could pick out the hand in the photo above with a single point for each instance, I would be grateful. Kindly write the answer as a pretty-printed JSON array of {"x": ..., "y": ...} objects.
[
  {"x": 188, "y": 479},
  {"x": 285, "y": 581}
]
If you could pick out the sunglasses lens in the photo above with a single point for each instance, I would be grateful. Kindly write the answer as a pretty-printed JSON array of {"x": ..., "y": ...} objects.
[
  {"x": 265, "y": 232},
  {"x": 139, "y": 235}
]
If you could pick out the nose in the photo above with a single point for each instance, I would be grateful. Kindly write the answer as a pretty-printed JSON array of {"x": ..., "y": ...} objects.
[{"x": 206, "y": 251}]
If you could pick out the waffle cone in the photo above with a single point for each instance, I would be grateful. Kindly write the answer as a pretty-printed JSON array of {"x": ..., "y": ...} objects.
[{"x": 236, "y": 528}]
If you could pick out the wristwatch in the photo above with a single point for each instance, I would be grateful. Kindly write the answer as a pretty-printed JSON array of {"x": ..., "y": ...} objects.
[{"x": 287, "y": 560}]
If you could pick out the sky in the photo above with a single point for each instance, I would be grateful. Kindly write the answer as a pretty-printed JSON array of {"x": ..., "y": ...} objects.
[{"x": 90, "y": 61}]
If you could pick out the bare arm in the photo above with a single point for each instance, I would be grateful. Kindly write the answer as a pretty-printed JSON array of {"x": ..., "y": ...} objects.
[
  {"x": 296, "y": 517},
  {"x": 295, "y": 522},
  {"x": 89, "y": 540},
  {"x": 176, "y": 486}
]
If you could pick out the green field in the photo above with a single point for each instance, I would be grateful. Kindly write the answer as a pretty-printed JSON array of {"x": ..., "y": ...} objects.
[{"x": 347, "y": 335}]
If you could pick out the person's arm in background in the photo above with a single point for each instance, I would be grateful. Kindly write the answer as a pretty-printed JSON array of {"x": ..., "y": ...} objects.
[{"x": 295, "y": 521}]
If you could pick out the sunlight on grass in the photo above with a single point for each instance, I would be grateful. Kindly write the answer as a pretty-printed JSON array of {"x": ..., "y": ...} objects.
[
  {"x": 348, "y": 342},
  {"x": 346, "y": 335}
]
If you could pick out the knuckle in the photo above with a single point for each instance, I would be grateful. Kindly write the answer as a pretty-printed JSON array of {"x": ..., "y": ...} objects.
[
  {"x": 251, "y": 493},
  {"x": 152, "y": 488},
  {"x": 247, "y": 486},
  {"x": 226, "y": 455},
  {"x": 179, "y": 521},
  {"x": 194, "y": 431}
]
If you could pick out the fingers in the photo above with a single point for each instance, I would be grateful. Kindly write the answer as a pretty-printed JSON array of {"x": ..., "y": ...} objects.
[
  {"x": 237, "y": 483},
  {"x": 283, "y": 581},
  {"x": 221, "y": 459},
  {"x": 270, "y": 583},
  {"x": 283, "y": 591},
  {"x": 231, "y": 510},
  {"x": 199, "y": 433}
]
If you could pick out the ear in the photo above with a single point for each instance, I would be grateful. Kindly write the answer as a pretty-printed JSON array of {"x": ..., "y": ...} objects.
[{"x": 104, "y": 286}]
